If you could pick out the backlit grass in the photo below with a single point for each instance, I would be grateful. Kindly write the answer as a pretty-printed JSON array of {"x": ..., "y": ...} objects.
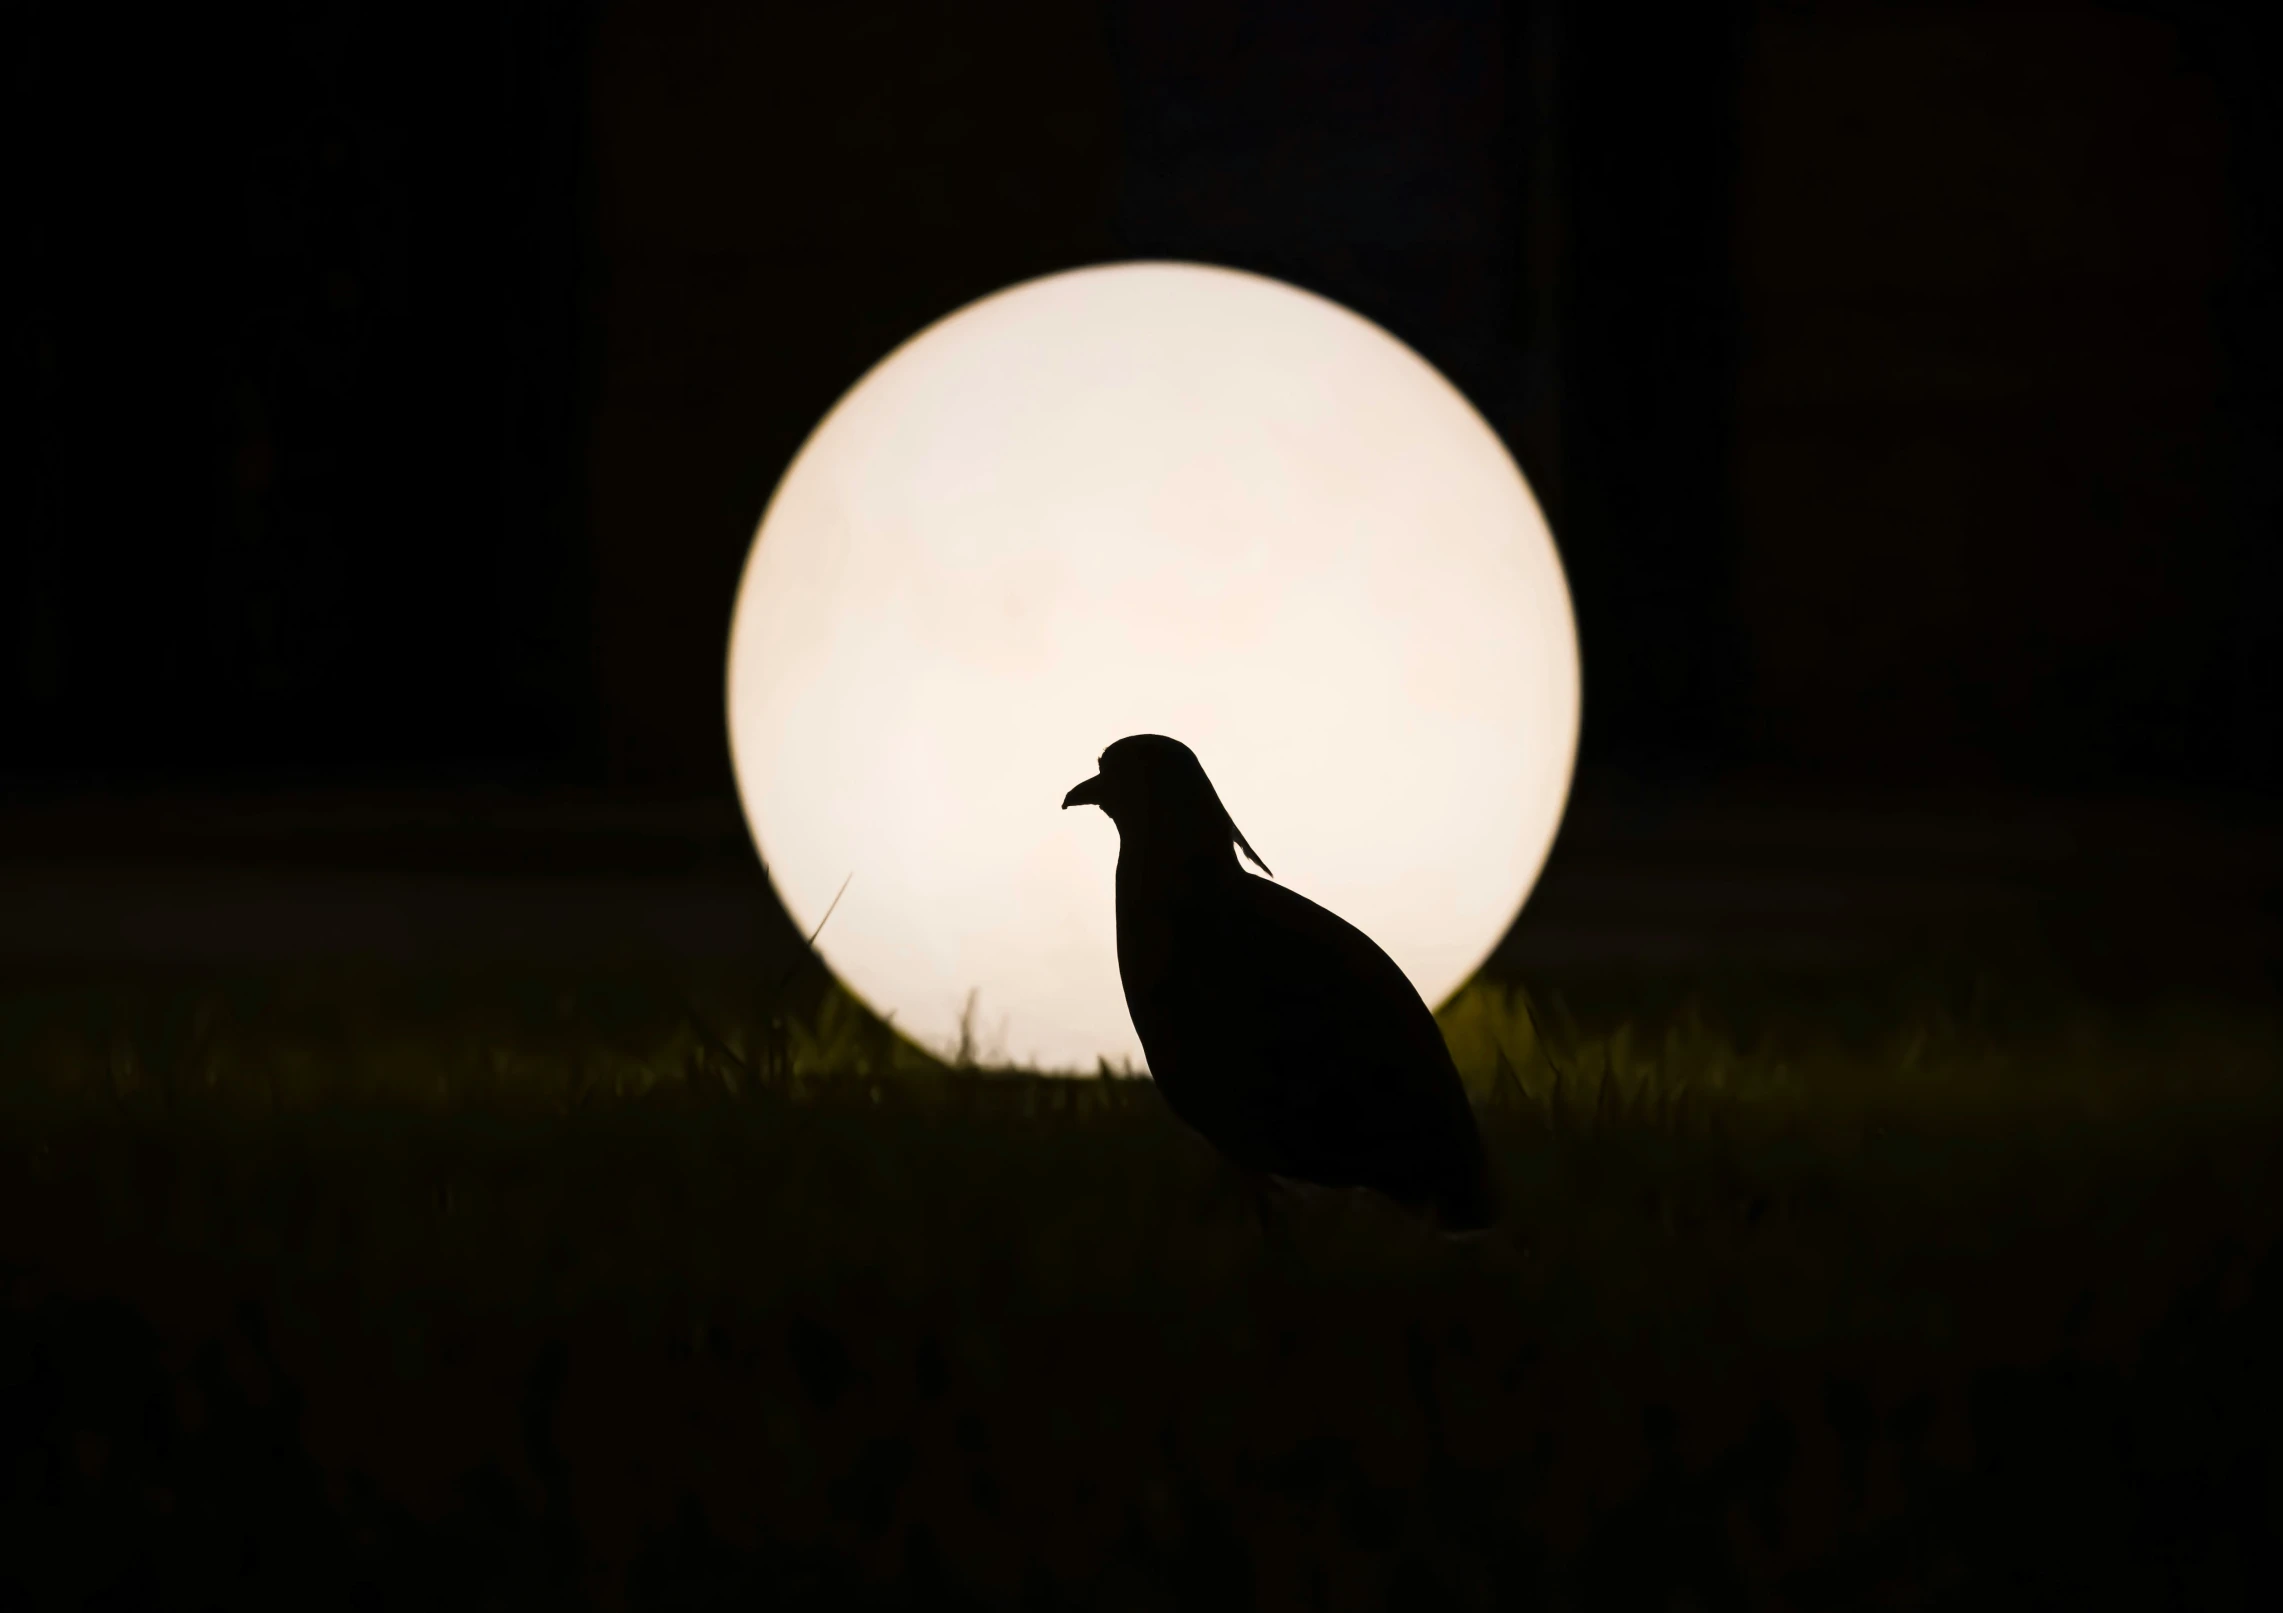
[{"x": 623, "y": 1288}]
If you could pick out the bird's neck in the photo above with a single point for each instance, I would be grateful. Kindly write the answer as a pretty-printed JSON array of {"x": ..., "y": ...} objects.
[
  {"x": 1175, "y": 866},
  {"x": 1165, "y": 896}
]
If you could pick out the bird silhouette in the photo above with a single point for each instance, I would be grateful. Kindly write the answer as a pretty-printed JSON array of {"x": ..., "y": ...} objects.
[{"x": 1276, "y": 1029}]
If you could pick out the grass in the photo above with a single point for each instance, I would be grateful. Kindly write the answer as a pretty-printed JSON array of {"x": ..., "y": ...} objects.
[{"x": 633, "y": 1291}]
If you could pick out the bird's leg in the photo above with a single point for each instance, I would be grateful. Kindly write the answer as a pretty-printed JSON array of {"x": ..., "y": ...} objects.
[
  {"x": 1259, "y": 1187},
  {"x": 1272, "y": 1208},
  {"x": 1254, "y": 1189}
]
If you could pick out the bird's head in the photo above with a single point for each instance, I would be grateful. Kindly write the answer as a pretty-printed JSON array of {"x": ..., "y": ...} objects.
[{"x": 1156, "y": 792}]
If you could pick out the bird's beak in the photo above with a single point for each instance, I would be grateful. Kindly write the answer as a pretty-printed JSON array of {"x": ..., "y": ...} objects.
[{"x": 1086, "y": 794}]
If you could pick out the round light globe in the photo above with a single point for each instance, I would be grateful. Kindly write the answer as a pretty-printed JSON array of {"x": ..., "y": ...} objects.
[{"x": 1144, "y": 498}]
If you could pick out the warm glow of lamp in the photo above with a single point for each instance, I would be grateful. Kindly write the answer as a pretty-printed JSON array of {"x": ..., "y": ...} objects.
[{"x": 1144, "y": 498}]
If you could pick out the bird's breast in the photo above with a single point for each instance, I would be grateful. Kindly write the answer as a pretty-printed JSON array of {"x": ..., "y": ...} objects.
[
  {"x": 1150, "y": 937},
  {"x": 1174, "y": 940}
]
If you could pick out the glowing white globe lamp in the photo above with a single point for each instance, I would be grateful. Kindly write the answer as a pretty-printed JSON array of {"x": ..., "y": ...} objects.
[{"x": 1144, "y": 498}]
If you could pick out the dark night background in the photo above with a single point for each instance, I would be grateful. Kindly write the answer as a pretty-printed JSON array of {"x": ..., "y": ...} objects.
[{"x": 400, "y": 388}]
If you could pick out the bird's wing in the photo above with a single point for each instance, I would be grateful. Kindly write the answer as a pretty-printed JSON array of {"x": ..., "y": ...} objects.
[{"x": 1354, "y": 1067}]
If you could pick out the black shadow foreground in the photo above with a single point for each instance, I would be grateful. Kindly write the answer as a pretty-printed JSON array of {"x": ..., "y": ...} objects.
[{"x": 1279, "y": 1031}]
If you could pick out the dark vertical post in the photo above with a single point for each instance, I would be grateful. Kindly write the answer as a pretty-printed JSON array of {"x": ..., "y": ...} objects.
[
  {"x": 1646, "y": 369},
  {"x": 1532, "y": 38},
  {"x": 545, "y": 672}
]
